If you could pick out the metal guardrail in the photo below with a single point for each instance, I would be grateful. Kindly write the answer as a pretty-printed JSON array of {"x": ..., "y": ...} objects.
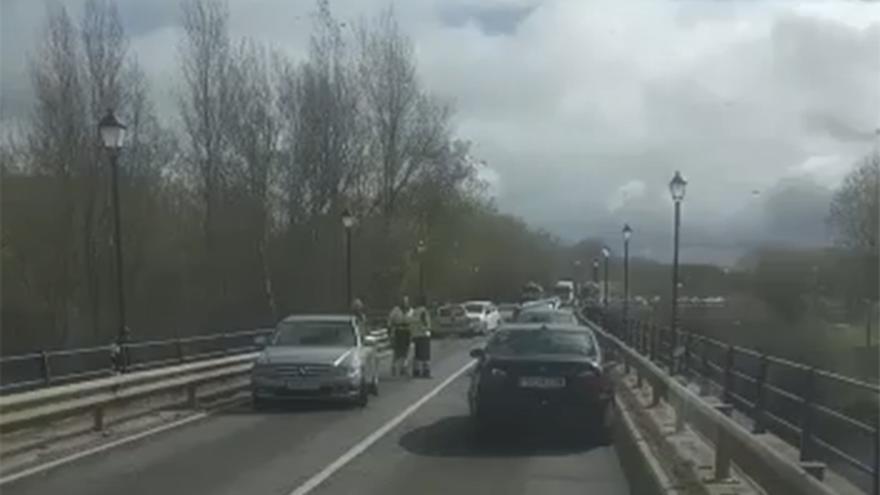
[
  {"x": 49, "y": 368},
  {"x": 733, "y": 444},
  {"x": 97, "y": 396},
  {"x": 792, "y": 400}
]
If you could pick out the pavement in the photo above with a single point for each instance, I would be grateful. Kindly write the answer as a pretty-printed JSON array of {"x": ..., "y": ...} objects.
[{"x": 415, "y": 438}]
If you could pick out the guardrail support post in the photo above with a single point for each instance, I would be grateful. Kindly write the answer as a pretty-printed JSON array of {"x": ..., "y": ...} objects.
[
  {"x": 685, "y": 358},
  {"x": 45, "y": 369},
  {"x": 192, "y": 398},
  {"x": 806, "y": 446},
  {"x": 705, "y": 371},
  {"x": 728, "y": 374},
  {"x": 722, "y": 447},
  {"x": 760, "y": 425},
  {"x": 98, "y": 417},
  {"x": 179, "y": 346}
]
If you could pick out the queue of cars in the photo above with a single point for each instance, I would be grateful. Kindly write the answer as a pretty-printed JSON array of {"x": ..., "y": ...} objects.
[{"x": 539, "y": 365}]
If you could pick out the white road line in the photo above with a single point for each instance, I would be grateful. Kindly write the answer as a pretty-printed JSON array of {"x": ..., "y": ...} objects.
[
  {"x": 100, "y": 448},
  {"x": 364, "y": 444}
]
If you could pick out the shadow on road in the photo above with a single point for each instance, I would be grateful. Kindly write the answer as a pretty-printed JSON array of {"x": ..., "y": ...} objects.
[
  {"x": 455, "y": 436},
  {"x": 288, "y": 407}
]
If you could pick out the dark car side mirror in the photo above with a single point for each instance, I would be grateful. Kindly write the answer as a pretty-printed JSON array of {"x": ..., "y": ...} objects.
[{"x": 477, "y": 353}]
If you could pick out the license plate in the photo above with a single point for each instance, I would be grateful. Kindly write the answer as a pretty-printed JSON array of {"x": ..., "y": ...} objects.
[
  {"x": 301, "y": 385},
  {"x": 541, "y": 382}
]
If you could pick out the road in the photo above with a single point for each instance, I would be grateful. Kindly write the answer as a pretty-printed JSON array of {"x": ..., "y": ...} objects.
[{"x": 287, "y": 450}]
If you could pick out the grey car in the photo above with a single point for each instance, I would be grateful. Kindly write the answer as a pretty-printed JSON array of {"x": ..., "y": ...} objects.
[{"x": 316, "y": 357}]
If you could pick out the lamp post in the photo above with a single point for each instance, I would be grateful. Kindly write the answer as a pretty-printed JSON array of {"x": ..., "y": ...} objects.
[
  {"x": 677, "y": 188},
  {"x": 606, "y": 253},
  {"x": 348, "y": 224},
  {"x": 420, "y": 249},
  {"x": 112, "y": 133},
  {"x": 627, "y": 233}
]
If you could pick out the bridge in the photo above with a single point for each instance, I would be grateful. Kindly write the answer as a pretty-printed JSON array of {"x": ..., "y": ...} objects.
[{"x": 694, "y": 415}]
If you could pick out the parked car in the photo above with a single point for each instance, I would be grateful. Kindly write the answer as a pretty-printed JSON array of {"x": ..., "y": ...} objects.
[
  {"x": 545, "y": 315},
  {"x": 483, "y": 317},
  {"x": 451, "y": 319},
  {"x": 315, "y": 357},
  {"x": 544, "y": 375},
  {"x": 508, "y": 311},
  {"x": 565, "y": 290}
]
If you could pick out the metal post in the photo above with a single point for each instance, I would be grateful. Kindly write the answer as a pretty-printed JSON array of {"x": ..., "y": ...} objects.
[
  {"x": 45, "y": 369},
  {"x": 605, "y": 293},
  {"x": 348, "y": 298},
  {"x": 687, "y": 353},
  {"x": 806, "y": 446},
  {"x": 728, "y": 375},
  {"x": 626, "y": 328},
  {"x": 760, "y": 425},
  {"x": 122, "y": 332},
  {"x": 674, "y": 320},
  {"x": 705, "y": 371}
]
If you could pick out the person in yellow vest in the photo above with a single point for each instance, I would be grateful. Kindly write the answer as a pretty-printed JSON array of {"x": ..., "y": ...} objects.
[
  {"x": 421, "y": 336},
  {"x": 399, "y": 323}
]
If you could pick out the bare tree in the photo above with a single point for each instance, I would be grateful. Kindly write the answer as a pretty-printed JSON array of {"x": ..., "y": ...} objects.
[
  {"x": 254, "y": 136},
  {"x": 408, "y": 126},
  {"x": 205, "y": 56}
]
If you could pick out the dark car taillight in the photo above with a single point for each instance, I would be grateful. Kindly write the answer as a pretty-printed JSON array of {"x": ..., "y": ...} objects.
[{"x": 593, "y": 379}]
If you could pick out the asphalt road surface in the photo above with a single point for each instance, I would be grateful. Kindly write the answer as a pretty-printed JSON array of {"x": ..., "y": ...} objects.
[{"x": 414, "y": 438}]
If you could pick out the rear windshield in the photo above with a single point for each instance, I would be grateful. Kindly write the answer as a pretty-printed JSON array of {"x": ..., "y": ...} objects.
[
  {"x": 450, "y": 311},
  {"x": 541, "y": 341},
  {"x": 314, "y": 333},
  {"x": 545, "y": 317},
  {"x": 474, "y": 308}
]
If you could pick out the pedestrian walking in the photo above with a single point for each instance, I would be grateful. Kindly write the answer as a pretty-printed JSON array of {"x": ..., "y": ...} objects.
[
  {"x": 401, "y": 335},
  {"x": 421, "y": 336}
]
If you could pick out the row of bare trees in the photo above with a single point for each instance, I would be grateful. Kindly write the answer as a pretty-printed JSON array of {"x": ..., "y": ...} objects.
[{"x": 231, "y": 209}]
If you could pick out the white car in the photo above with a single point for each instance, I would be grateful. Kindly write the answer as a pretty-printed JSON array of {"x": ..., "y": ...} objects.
[{"x": 482, "y": 316}]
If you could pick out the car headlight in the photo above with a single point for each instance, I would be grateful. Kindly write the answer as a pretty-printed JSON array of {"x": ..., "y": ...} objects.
[{"x": 348, "y": 370}]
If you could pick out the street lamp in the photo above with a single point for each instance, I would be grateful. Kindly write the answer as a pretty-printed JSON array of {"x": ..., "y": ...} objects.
[
  {"x": 420, "y": 249},
  {"x": 627, "y": 233},
  {"x": 348, "y": 223},
  {"x": 677, "y": 188},
  {"x": 112, "y": 134},
  {"x": 606, "y": 253}
]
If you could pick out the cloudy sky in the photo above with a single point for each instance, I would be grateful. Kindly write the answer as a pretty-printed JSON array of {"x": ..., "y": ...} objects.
[{"x": 583, "y": 110}]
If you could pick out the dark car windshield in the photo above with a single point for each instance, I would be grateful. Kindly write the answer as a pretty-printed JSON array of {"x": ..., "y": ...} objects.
[
  {"x": 545, "y": 317},
  {"x": 474, "y": 308},
  {"x": 315, "y": 333},
  {"x": 541, "y": 341}
]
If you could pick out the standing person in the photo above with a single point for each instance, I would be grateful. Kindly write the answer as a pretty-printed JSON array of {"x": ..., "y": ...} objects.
[
  {"x": 360, "y": 316},
  {"x": 421, "y": 335},
  {"x": 399, "y": 323}
]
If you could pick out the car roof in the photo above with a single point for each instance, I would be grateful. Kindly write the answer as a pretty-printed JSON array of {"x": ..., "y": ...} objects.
[
  {"x": 319, "y": 317},
  {"x": 481, "y": 302},
  {"x": 546, "y": 309}
]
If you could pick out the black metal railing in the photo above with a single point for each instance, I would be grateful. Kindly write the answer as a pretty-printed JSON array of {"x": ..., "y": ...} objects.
[
  {"x": 42, "y": 369},
  {"x": 829, "y": 417}
]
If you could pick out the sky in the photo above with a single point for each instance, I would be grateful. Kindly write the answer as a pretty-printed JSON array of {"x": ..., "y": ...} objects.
[{"x": 583, "y": 110}]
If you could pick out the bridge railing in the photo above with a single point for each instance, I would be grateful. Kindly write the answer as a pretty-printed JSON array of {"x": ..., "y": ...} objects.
[
  {"x": 57, "y": 367},
  {"x": 801, "y": 404}
]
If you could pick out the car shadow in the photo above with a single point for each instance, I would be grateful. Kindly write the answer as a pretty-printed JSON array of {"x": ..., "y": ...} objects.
[
  {"x": 456, "y": 436},
  {"x": 287, "y": 407}
]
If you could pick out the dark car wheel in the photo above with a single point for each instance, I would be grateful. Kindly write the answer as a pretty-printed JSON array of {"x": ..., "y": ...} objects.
[
  {"x": 363, "y": 396},
  {"x": 602, "y": 430},
  {"x": 261, "y": 404},
  {"x": 374, "y": 385}
]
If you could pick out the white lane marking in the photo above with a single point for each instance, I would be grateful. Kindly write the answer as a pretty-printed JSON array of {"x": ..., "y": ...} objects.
[
  {"x": 364, "y": 444},
  {"x": 100, "y": 448}
]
